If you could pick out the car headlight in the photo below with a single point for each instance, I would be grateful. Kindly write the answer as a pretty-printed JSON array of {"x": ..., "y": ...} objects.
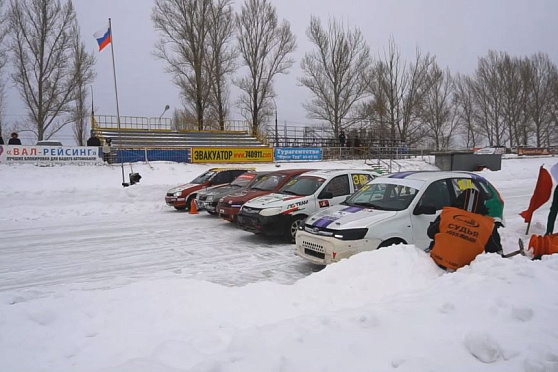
[
  {"x": 177, "y": 194},
  {"x": 351, "y": 234},
  {"x": 270, "y": 211}
]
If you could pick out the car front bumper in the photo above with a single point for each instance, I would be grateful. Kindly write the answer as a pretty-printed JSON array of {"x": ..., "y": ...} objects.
[
  {"x": 175, "y": 202},
  {"x": 266, "y": 225},
  {"x": 324, "y": 250},
  {"x": 227, "y": 212}
]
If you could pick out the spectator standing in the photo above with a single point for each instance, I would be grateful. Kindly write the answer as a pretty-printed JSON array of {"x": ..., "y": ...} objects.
[
  {"x": 342, "y": 138},
  {"x": 94, "y": 140},
  {"x": 106, "y": 150},
  {"x": 1, "y": 140},
  {"x": 14, "y": 140}
]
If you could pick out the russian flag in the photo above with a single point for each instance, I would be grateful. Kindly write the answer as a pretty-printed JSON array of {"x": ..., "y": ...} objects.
[{"x": 103, "y": 37}]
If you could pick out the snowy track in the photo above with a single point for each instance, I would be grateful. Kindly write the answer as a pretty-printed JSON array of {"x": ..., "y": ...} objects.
[
  {"x": 90, "y": 233},
  {"x": 167, "y": 244}
]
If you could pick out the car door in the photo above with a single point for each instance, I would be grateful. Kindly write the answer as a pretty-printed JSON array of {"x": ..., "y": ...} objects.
[
  {"x": 339, "y": 187},
  {"x": 437, "y": 194}
]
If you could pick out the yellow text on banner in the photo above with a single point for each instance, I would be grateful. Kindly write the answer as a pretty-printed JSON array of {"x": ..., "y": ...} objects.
[{"x": 232, "y": 154}]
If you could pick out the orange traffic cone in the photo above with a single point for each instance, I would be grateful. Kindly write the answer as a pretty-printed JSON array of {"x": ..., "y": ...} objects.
[
  {"x": 541, "y": 245},
  {"x": 193, "y": 207}
]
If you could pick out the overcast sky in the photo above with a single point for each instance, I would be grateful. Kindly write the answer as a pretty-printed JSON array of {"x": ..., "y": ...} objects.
[{"x": 456, "y": 32}]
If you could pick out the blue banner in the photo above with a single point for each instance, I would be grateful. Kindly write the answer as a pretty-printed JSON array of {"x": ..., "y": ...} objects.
[
  {"x": 297, "y": 154},
  {"x": 131, "y": 156}
]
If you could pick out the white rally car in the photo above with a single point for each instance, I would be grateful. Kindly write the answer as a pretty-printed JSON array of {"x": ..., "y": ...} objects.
[
  {"x": 389, "y": 210},
  {"x": 282, "y": 213}
]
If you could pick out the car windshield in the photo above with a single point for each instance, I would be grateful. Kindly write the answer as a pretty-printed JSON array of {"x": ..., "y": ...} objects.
[
  {"x": 269, "y": 182},
  {"x": 203, "y": 177},
  {"x": 302, "y": 185},
  {"x": 384, "y": 196},
  {"x": 243, "y": 180}
]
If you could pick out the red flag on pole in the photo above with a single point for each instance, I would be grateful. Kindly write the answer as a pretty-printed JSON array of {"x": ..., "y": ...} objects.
[{"x": 543, "y": 189}]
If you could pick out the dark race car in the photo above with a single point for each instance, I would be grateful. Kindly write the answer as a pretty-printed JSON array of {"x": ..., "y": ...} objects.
[
  {"x": 209, "y": 198},
  {"x": 229, "y": 205},
  {"x": 181, "y": 197}
]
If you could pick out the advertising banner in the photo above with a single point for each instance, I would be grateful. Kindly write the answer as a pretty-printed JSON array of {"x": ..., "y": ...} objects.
[
  {"x": 232, "y": 154},
  {"x": 298, "y": 154},
  {"x": 49, "y": 154},
  {"x": 533, "y": 151}
]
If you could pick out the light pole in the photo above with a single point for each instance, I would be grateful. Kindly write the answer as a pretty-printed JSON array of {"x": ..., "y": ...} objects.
[
  {"x": 163, "y": 113},
  {"x": 276, "y": 132}
]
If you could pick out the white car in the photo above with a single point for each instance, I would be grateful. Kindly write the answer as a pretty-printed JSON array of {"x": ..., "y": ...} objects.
[
  {"x": 394, "y": 209},
  {"x": 282, "y": 213}
]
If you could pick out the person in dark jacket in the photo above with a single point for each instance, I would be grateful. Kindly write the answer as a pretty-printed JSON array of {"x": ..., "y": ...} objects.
[
  {"x": 342, "y": 139},
  {"x": 14, "y": 140},
  {"x": 94, "y": 141},
  {"x": 1, "y": 140}
]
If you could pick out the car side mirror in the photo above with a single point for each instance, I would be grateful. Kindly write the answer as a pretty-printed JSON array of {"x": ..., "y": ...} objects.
[
  {"x": 424, "y": 209},
  {"x": 325, "y": 195}
]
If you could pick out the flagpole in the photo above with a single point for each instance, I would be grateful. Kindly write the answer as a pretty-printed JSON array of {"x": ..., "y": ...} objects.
[{"x": 116, "y": 93}]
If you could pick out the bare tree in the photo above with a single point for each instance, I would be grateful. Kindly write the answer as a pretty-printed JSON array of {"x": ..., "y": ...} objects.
[
  {"x": 221, "y": 57},
  {"x": 335, "y": 72},
  {"x": 403, "y": 87},
  {"x": 264, "y": 47},
  {"x": 542, "y": 73},
  {"x": 514, "y": 94},
  {"x": 84, "y": 74},
  {"x": 183, "y": 26},
  {"x": 438, "y": 108},
  {"x": 465, "y": 107},
  {"x": 42, "y": 41},
  {"x": 487, "y": 87},
  {"x": 3, "y": 60}
]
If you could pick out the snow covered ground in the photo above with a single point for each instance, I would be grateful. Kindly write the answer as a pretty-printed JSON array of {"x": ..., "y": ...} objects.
[{"x": 96, "y": 277}]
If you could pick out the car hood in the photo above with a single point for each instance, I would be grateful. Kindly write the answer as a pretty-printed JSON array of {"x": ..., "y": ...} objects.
[
  {"x": 185, "y": 187},
  {"x": 244, "y": 196},
  {"x": 219, "y": 192},
  {"x": 347, "y": 217},
  {"x": 274, "y": 200}
]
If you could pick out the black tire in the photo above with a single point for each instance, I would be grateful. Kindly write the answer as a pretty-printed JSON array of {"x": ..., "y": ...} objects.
[
  {"x": 392, "y": 241},
  {"x": 189, "y": 202},
  {"x": 292, "y": 228}
]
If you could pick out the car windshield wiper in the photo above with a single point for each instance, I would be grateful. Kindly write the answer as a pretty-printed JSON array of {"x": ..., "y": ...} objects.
[
  {"x": 289, "y": 192},
  {"x": 370, "y": 205}
]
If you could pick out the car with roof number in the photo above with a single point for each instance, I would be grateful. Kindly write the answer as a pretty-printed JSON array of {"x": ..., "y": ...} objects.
[
  {"x": 393, "y": 209},
  {"x": 229, "y": 206},
  {"x": 209, "y": 198},
  {"x": 281, "y": 213},
  {"x": 181, "y": 197}
]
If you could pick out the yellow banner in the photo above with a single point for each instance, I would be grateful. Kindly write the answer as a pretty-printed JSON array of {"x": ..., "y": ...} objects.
[{"x": 232, "y": 154}]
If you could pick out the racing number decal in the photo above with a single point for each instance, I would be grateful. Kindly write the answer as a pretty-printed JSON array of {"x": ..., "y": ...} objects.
[
  {"x": 360, "y": 180},
  {"x": 324, "y": 203},
  {"x": 465, "y": 183}
]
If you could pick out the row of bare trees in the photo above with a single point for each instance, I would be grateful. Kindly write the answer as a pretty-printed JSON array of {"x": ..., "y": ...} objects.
[
  {"x": 505, "y": 102},
  {"x": 197, "y": 43},
  {"x": 207, "y": 46},
  {"x": 51, "y": 67}
]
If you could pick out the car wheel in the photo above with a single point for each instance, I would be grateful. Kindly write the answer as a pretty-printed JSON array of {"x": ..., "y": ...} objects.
[
  {"x": 294, "y": 223},
  {"x": 392, "y": 241},
  {"x": 189, "y": 202}
]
